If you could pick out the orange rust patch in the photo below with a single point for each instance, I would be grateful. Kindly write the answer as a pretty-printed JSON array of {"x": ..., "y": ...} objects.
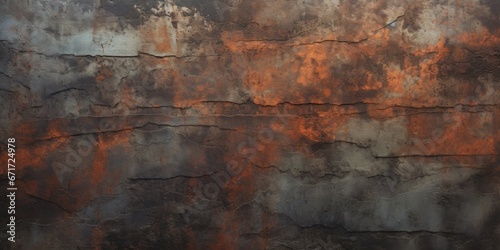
[
  {"x": 313, "y": 67},
  {"x": 103, "y": 73},
  {"x": 455, "y": 137},
  {"x": 155, "y": 32}
]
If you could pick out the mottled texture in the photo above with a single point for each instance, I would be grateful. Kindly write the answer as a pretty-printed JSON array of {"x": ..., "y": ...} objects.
[{"x": 231, "y": 124}]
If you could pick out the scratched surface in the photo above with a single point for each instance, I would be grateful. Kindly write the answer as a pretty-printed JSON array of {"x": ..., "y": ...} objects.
[{"x": 232, "y": 124}]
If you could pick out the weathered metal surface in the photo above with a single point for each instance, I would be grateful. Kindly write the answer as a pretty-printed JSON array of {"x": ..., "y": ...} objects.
[{"x": 231, "y": 124}]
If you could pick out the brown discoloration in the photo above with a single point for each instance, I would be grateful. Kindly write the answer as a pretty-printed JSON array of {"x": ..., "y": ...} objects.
[
  {"x": 411, "y": 18},
  {"x": 453, "y": 135},
  {"x": 156, "y": 32}
]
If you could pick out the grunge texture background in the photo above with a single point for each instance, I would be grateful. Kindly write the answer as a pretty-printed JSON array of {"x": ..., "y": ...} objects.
[{"x": 232, "y": 124}]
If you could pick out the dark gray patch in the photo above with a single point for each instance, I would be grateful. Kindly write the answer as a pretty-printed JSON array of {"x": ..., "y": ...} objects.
[
  {"x": 77, "y": 64},
  {"x": 159, "y": 87},
  {"x": 125, "y": 9},
  {"x": 320, "y": 146},
  {"x": 5, "y": 56},
  {"x": 54, "y": 32},
  {"x": 217, "y": 11},
  {"x": 86, "y": 5},
  {"x": 492, "y": 21}
]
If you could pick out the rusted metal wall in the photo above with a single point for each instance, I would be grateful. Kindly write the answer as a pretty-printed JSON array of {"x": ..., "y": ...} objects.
[{"x": 231, "y": 124}]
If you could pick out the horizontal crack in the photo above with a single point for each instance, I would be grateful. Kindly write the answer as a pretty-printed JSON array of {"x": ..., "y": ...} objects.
[
  {"x": 173, "y": 177},
  {"x": 430, "y": 155},
  {"x": 128, "y": 129},
  {"x": 139, "y": 53},
  {"x": 49, "y": 201}
]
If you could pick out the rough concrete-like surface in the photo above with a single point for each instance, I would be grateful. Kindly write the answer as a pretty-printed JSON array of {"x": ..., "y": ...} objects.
[{"x": 231, "y": 124}]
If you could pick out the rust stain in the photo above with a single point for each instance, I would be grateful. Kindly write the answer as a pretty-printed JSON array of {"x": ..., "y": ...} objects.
[
  {"x": 103, "y": 73},
  {"x": 155, "y": 32},
  {"x": 450, "y": 138},
  {"x": 359, "y": 70}
]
